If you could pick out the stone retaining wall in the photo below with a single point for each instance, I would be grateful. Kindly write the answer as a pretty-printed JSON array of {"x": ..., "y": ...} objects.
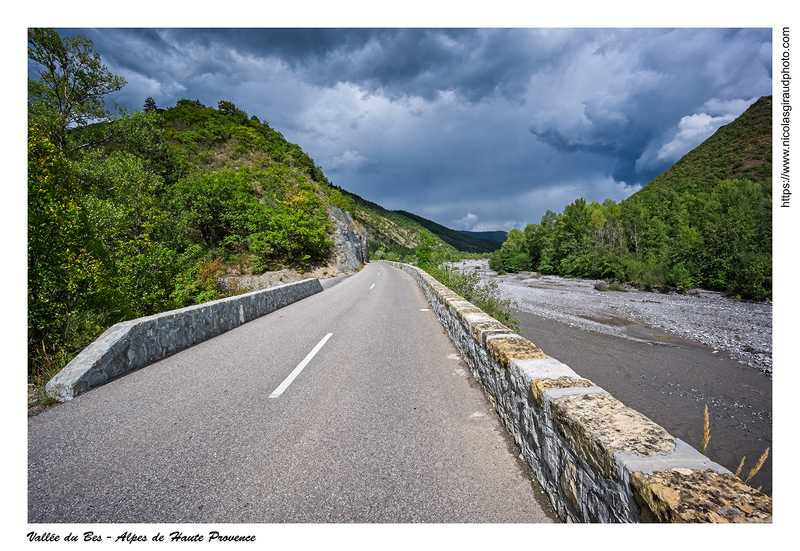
[
  {"x": 597, "y": 460},
  {"x": 130, "y": 345}
]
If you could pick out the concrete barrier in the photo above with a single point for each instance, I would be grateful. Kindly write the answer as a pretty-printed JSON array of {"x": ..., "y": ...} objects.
[
  {"x": 134, "y": 344},
  {"x": 597, "y": 460}
]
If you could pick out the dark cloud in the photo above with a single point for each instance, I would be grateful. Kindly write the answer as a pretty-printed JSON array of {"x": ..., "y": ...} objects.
[
  {"x": 473, "y": 63},
  {"x": 564, "y": 145},
  {"x": 652, "y": 79},
  {"x": 489, "y": 127}
]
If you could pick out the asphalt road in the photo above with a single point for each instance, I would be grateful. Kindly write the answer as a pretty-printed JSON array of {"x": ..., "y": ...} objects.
[{"x": 383, "y": 424}]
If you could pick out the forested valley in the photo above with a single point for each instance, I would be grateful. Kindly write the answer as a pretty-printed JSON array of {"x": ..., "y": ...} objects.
[
  {"x": 704, "y": 223},
  {"x": 135, "y": 213}
]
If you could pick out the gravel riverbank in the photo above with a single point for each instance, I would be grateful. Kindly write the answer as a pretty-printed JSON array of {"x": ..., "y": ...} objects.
[{"x": 742, "y": 330}]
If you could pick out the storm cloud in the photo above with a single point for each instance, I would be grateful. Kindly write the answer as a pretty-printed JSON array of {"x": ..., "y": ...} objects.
[{"x": 477, "y": 129}]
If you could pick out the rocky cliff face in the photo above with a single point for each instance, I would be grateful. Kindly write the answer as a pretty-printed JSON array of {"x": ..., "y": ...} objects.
[{"x": 350, "y": 242}]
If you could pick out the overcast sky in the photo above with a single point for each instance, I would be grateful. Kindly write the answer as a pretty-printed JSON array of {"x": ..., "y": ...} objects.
[{"x": 476, "y": 129}]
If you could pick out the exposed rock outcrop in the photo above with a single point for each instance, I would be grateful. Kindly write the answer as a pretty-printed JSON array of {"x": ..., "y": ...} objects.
[{"x": 351, "y": 244}]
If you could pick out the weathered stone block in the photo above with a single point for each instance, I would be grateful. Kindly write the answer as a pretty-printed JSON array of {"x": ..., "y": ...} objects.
[
  {"x": 540, "y": 386},
  {"x": 504, "y": 350},
  {"x": 597, "y": 426},
  {"x": 481, "y": 329},
  {"x": 686, "y": 495}
]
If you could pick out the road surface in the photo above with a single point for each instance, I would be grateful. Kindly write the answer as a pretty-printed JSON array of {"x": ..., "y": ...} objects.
[{"x": 350, "y": 406}]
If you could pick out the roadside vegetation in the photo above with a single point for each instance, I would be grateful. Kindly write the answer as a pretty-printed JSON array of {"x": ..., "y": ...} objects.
[
  {"x": 136, "y": 213},
  {"x": 705, "y": 223},
  {"x": 467, "y": 284}
]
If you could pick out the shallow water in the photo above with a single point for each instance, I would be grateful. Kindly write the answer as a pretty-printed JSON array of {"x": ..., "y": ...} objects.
[{"x": 671, "y": 380}]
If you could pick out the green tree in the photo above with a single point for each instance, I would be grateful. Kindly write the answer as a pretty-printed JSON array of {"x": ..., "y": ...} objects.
[
  {"x": 72, "y": 83},
  {"x": 294, "y": 232},
  {"x": 226, "y": 107},
  {"x": 575, "y": 228},
  {"x": 215, "y": 205},
  {"x": 513, "y": 255},
  {"x": 68, "y": 276},
  {"x": 150, "y": 104},
  {"x": 424, "y": 250},
  {"x": 634, "y": 219}
]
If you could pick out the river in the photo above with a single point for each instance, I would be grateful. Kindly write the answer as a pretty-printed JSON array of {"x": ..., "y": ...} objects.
[{"x": 671, "y": 384}]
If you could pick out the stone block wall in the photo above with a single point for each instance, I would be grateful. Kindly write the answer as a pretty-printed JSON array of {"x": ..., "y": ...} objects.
[
  {"x": 597, "y": 460},
  {"x": 134, "y": 344}
]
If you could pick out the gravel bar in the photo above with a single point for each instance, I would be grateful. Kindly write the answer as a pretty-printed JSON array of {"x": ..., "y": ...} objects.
[{"x": 743, "y": 330}]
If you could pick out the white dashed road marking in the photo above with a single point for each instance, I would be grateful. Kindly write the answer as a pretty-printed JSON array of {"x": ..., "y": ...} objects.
[{"x": 285, "y": 384}]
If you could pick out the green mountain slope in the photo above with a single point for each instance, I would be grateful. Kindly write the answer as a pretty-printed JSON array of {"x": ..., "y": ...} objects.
[
  {"x": 459, "y": 240},
  {"x": 399, "y": 231},
  {"x": 225, "y": 140},
  {"x": 493, "y": 235},
  {"x": 742, "y": 149},
  {"x": 705, "y": 222},
  {"x": 395, "y": 235}
]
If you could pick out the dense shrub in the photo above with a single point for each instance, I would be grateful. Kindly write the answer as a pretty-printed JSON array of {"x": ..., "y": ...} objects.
[
  {"x": 69, "y": 297},
  {"x": 483, "y": 294}
]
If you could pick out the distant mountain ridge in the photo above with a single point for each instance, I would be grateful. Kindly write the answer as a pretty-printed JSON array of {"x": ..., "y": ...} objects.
[
  {"x": 461, "y": 241},
  {"x": 493, "y": 235},
  {"x": 398, "y": 232}
]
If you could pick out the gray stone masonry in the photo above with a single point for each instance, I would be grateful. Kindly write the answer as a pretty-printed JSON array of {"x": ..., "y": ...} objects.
[{"x": 134, "y": 344}]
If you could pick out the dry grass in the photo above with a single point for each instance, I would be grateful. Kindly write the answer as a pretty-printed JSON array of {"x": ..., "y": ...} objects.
[
  {"x": 738, "y": 473},
  {"x": 758, "y": 466}
]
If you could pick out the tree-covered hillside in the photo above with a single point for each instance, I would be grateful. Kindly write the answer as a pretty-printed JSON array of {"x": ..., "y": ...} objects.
[
  {"x": 706, "y": 222},
  {"x": 393, "y": 236},
  {"x": 135, "y": 213},
  {"x": 498, "y": 235},
  {"x": 460, "y": 241},
  {"x": 741, "y": 150}
]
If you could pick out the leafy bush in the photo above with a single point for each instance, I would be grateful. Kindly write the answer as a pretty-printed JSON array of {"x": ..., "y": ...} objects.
[
  {"x": 513, "y": 255},
  {"x": 755, "y": 276},
  {"x": 296, "y": 231},
  {"x": 198, "y": 282},
  {"x": 424, "y": 252},
  {"x": 69, "y": 297},
  {"x": 484, "y": 295},
  {"x": 680, "y": 277}
]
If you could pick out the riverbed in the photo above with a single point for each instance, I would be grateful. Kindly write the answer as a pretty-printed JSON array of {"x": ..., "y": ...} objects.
[{"x": 664, "y": 355}]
